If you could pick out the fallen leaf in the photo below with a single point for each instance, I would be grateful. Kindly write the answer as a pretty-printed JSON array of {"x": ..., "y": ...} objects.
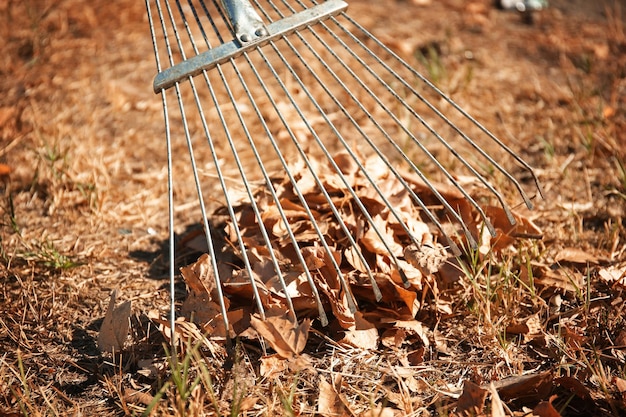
[
  {"x": 328, "y": 402},
  {"x": 472, "y": 399},
  {"x": 497, "y": 408},
  {"x": 115, "y": 326},
  {"x": 541, "y": 275},
  {"x": 273, "y": 366},
  {"x": 428, "y": 258},
  {"x": 576, "y": 256},
  {"x": 614, "y": 275},
  {"x": 546, "y": 409},
  {"x": 620, "y": 384},
  {"x": 533, "y": 387},
  {"x": 414, "y": 327},
  {"x": 574, "y": 385},
  {"x": 200, "y": 277},
  {"x": 284, "y": 335},
  {"x": 379, "y": 411},
  {"x": 362, "y": 335}
]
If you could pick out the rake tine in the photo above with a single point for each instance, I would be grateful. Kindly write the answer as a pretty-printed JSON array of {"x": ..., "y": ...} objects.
[{"x": 458, "y": 108}]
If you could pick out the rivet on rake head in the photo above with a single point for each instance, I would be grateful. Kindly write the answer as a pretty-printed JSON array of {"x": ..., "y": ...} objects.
[
  {"x": 261, "y": 32},
  {"x": 245, "y": 38}
]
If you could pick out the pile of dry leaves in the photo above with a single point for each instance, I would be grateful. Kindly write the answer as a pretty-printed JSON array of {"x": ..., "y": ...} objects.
[{"x": 390, "y": 278}]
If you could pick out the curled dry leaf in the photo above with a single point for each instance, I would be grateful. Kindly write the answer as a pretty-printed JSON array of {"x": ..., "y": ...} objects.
[
  {"x": 284, "y": 335},
  {"x": 362, "y": 334},
  {"x": 115, "y": 326},
  {"x": 577, "y": 256},
  {"x": 546, "y": 409},
  {"x": 497, "y": 408},
  {"x": 428, "y": 258},
  {"x": 472, "y": 399},
  {"x": 574, "y": 385},
  {"x": 329, "y": 403},
  {"x": 614, "y": 275},
  {"x": 273, "y": 366}
]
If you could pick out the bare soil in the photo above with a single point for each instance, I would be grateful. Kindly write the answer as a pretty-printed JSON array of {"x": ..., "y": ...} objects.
[{"x": 84, "y": 208}]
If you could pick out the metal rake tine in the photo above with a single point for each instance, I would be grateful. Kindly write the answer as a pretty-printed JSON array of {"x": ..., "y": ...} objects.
[
  {"x": 244, "y": 254},
  {"x": 350, "y": 298},
  {"x": 297, "y": 189},
  {"x": 170, "y": 185},
  {"x": 453, "y": 245},
  {"x": 458, "y": 108},
  {"x": 321, "y": 312},
  {"x": 342, "y": 224},
  {"x": 446, "y": 144},
  {"x": 432, "y": 158},
  {"x": 322, "y": 147},
  {"x": 344, "y": 284},
  {"x": 429, "y": 214},
  {"x": 241, "y": 169}
]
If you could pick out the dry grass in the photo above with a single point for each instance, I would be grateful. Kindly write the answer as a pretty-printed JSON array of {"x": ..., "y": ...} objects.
[{"x": 83, "y": 211}]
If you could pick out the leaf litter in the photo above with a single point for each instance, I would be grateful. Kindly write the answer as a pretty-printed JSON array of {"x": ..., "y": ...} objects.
[{"x": 404, "y": 286}]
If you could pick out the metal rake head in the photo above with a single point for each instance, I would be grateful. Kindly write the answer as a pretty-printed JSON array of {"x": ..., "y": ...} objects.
[{"x": 331, "y": 158}]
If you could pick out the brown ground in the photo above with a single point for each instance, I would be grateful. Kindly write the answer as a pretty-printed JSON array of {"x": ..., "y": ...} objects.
[{"x": 84, "y": 206}]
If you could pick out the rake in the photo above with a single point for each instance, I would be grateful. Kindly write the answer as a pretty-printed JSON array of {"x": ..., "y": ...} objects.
[{"x": 297, "y": 121}]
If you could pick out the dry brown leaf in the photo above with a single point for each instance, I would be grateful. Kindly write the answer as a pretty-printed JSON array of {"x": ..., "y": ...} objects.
[
  {"x": 328, "y": 402},
  {"x": 576, "y": 256},
  {"x": 530, "y": 327},
  {"x": 497, "y": 408},
  {"x": 614, "y": 275},
  {"x": 200, "y": 278},
  {"x": 314, "y": 257},
  {"x": 373, "y": 242},
  {"x": 273, "y": 366},
  {"x": 286, "y": 337},
  {"x": 414, "y": 327},
  {"x": 523, "y": 227},
  {"x": 352, "y": 256},
  {"x": 620, "y": 384},
  {"x": 574, "y": 385},
  {"x": 543, "y": 276},
  {"x": 362, "y": 334},
  {"x": 115, "y": 326},
  {"x": 207, "y": 314},
  {"x": 472, "y": 399},
  {"x": 546, "y": 409},
  {"x": 533, "y": 387},
  {"x": 428, "y": 258},
  {"x": 137, "y": 397},
  {"x": 380, "y": 411},
  {"x": 186, "y": 331}
]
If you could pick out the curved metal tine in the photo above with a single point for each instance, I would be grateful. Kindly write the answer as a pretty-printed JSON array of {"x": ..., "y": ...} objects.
[
  {"x": 450, "y": 148},
  {"x": 222, "y": 184},
  {"x": 348, "y": 235},
  {"x": 456, "y": 251},
  {"x": 412, "y": 136},
  {"x": 170, "y": 182},
  {"x": 350, "y": 297},
  {"x": 267, "y": 179},
  {"x": 254, "y": 206},
  {"x": 326, "y": 152},
  {"x": 494, "y": 138},
  {"x": 320, "y": 185},
  {"x": 321, "y": 311}
]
